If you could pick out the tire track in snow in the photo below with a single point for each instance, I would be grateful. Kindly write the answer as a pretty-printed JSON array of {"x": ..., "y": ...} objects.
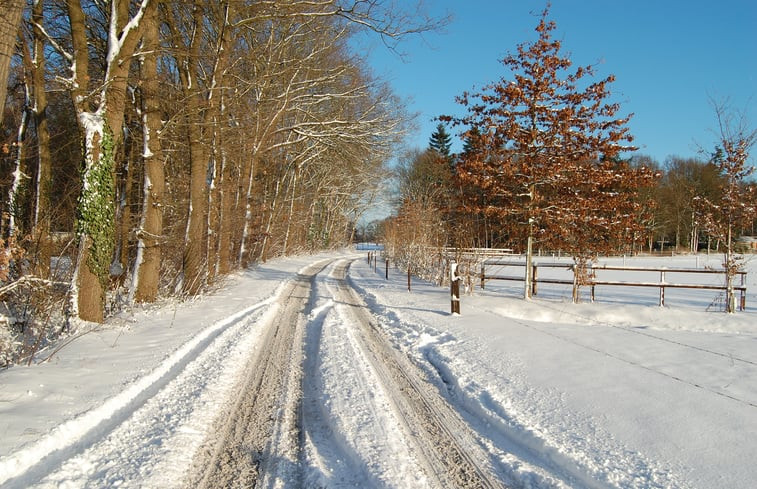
[
  {"x": 256, "y": 439},
  {"x": 349, "y": 433},
  {"x": 70, "y": 439},
  {"x": 452, "y": 454},
  {"x": 521, "y": 457}
]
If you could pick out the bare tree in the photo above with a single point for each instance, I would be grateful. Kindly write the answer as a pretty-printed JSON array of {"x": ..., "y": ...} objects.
[
  {"x": 35, "y": 81},
  {"x": 310, "y": 103},
  {"x": 736, "y": 204}
]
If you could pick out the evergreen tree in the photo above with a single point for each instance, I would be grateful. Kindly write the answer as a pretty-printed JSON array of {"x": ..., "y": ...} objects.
[
  {"x": 440, "y": 141},
  {"x": 469, "y": 144}
]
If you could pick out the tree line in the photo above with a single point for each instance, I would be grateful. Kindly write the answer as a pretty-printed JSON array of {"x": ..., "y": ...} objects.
[
  {"x": 548, "y": 163},
  {"x": 151, "y": 146}
]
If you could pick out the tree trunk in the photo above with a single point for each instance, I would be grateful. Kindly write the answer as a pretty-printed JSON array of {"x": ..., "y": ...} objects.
[
  {"x": 10, "y": 18},
  {"x": 18, "y": 174},
  {"x": 202, "y": 110},
  {"x": 245, "y": 246},
  {"x": 291, "y": 210},
  {"x": 102, "y": 133},
  {"x": 730, "y": 272},
  {"x": 269, "y": 223},
  {"x": 196, "y": 235},
  {"x": 124, "y": 214},
  {"x": 528, "y": 280},
  {"x": 150, "y": 233},
  {"x": 214, "y": 210},
  {"x": 226, "y": 204},
  {"x": 195, "y": 240},
  {"x": 90, "y": 295},
  {"x": 239, "y": 215},
  {"x": 42, "y": 209}
]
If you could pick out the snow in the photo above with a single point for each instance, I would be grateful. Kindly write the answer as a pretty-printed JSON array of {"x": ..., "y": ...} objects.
[
  {"x": 349, "y": 396},
  {"x": 618, "y": 393},
  {"x": 641, "y": 396}
]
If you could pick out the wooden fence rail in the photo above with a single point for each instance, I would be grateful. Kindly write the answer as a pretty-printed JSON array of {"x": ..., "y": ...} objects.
[{"x": 662, "y": 284}]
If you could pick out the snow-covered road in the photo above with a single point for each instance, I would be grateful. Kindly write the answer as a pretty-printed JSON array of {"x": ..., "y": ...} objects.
[
  {"x": 301, "y": 390},
  {"x": 327, "y": 402},
  {"x": 319, "y": 372}
]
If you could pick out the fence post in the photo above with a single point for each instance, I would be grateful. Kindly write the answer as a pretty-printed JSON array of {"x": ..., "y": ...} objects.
[
  {"x": 742, "y": 305},
  {"x": 408, "y": 278},
  {"x": 483, "y": 275},
  {"x": 387, "y": 268},
  {"x": 662, "y": 288},
  {"x": 454, "y": 288},
  {"x": 534, "y": 278},
  {"x": 575, "y": 283}
]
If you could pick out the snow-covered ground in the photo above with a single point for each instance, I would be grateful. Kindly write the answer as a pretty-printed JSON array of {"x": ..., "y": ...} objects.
[{"x": 619, "y": 393}]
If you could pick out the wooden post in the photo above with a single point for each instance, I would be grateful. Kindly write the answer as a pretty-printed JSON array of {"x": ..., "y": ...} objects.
[
  {"x": 662, "y": 288},
  {"x": 408, "y": 279},
  {"x": 742, "y": 304},
  {"x": 533, "y": 280},
  {"x": 575, "y": 284},
  {"x": 483, "y": 275},
  {"x": 454, "y": 288},
  {"x": 387, "y": 268}
]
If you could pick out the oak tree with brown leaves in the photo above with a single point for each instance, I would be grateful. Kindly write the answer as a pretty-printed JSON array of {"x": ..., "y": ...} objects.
[{"x": 546, "y": 161}]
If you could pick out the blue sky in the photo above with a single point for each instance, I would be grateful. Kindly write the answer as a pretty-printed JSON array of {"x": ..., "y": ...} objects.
[{"x": 670, "y": 57}]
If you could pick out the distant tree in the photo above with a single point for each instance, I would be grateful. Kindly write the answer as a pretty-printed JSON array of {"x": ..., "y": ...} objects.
[
  {"x": 424, "y": 180},
  {"x": 736, "y": 204},
  {"x": 547, "y": 154},
  {"x": 646, "y": 197},
  {"x": 685, "y": 180},
  {"x": 470, "y": 141},
  {"x": 441, "y": 141}
]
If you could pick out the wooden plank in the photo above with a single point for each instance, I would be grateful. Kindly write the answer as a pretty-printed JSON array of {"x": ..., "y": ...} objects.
[
  {"x": 662, "y": 269},
  {"x": 567, "y": 266},
  {"x": 616, "y": 283}
]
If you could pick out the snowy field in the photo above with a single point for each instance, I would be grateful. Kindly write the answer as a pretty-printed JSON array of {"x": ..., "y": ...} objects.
[
  {"x": 633, "y": 394},
  {"x": 620, "y": 393}
]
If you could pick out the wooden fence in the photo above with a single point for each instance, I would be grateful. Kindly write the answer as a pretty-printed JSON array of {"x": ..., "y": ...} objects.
[{"x": 593, "y": 282}]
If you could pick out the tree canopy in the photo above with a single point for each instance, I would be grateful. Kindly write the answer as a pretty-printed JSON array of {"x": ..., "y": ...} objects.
[{"x": 544, "y": 154}]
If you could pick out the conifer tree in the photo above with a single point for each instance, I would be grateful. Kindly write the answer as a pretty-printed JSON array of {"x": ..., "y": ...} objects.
[{"x": 440, "y": 141}]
